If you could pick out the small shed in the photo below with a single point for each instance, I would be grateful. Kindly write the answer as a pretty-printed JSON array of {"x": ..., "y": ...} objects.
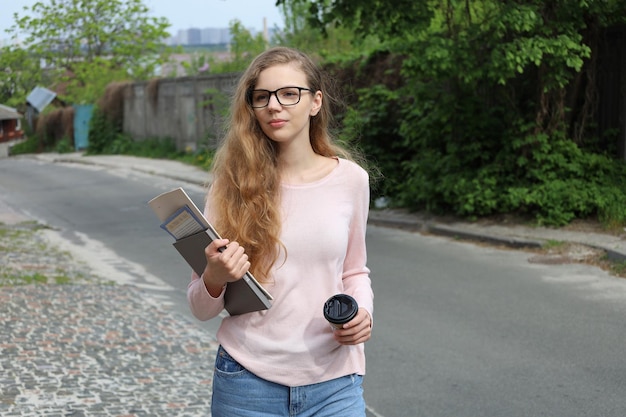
[
  {"x": 36, "y": 101},
  {"x": 10, "y": 124}
]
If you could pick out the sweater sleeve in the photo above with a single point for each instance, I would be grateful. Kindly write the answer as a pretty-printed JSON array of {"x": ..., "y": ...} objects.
[
  {"x": 355, "y": 277},
  {"x": 203, "y": 305}
]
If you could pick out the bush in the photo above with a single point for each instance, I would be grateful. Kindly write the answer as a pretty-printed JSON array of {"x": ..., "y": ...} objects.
[
  {"x": 65, "y": 145},
  {"x": 30, "y": 145},
  {"x": 102, "y": 133},
  {"x": 372, "y": 126},
  {"x": 494, "y": 165}
]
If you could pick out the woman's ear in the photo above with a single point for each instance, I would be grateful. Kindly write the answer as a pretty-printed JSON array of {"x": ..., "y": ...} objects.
[{"x": 317, "y": 103}]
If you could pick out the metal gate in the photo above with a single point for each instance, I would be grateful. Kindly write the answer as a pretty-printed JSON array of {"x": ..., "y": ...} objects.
[{"x": 82, "y": 116}]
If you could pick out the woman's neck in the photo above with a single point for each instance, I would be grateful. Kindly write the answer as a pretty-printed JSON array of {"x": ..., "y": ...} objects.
[{"x": 303, "y": 167}]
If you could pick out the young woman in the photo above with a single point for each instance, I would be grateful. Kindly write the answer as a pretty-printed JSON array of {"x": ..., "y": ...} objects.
[{"x": 295, "y": 207}]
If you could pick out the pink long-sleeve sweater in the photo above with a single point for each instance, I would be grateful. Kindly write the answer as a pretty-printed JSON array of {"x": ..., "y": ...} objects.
[{"x": 324, "y": 232}]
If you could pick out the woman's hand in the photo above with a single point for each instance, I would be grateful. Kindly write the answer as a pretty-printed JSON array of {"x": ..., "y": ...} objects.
[
  {"x": 226, "y": 262},
  {"x": 358, "y": 330}
]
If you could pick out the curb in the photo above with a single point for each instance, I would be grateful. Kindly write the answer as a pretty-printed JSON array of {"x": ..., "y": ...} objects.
[
  {"x": 457, "y": 233},
  {"x": 134, "y": 168},
  {"x": 400, "y": 222}
]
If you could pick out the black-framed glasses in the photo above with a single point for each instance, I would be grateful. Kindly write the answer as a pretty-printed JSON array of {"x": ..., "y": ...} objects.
[{"x": 286, "y": 96}]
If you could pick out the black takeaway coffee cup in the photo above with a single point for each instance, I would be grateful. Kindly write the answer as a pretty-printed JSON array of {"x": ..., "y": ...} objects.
[{"x": 340, "y": 309}]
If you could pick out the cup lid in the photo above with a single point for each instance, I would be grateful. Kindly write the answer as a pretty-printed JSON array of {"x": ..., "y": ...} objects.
[{"x": 340, "y": 308}]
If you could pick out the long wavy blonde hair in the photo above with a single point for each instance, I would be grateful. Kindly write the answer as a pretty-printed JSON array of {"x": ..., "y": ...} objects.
[{"x": 246, "y": 191}]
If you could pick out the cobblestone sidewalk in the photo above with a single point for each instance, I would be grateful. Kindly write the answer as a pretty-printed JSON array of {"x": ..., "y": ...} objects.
[{"x": 72, "y": 344}]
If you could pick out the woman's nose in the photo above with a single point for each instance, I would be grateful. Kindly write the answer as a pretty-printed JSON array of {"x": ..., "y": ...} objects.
[{"x": 273, "y": 102}]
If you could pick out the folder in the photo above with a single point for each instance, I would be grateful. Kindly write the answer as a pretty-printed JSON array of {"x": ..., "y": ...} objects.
[{"x": 193, "y": 233}]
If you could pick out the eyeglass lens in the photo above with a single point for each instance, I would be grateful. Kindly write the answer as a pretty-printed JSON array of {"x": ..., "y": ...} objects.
[{"x": 286, "y": 96}]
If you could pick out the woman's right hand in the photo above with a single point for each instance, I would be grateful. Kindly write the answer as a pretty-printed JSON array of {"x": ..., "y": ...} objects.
[{"x": 226, "y": 262}]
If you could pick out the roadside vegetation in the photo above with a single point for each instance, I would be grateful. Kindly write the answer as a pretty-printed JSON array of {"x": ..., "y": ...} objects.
[
  {"x": 27, "y": 257},
  {"x": 567, "y": 253},
  {"x": 472, "y": 109}
]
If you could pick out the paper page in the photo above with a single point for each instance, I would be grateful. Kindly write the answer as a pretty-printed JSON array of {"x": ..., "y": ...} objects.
[{"x": 166, "y": 204}]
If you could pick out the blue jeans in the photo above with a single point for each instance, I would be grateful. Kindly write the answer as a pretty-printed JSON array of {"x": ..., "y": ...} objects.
[{"x": 239, "y": 393}]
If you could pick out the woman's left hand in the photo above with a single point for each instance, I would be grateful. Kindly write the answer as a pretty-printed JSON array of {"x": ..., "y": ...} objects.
[{"x": 358, "y": 330}]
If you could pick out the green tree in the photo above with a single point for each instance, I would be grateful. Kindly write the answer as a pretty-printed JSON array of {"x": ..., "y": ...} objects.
[
  {"x": 20, "y": 72},
  {"x": 198, "y": 64},
  {"x": 495, "y": 112},
  {"x": 329, "y": 40},
  {"x": 366, "y": 17},
  {"x": 243, "y": 48},
  {"x": 86, "y": 44}
]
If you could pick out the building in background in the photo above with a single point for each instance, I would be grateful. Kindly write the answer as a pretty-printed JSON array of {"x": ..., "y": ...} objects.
[
  {"x": 211, "y": 36},
  {"x": 201, "y": 37},
  {"x": 11, "y": 131},
  {"x": 10, "y": 124}
]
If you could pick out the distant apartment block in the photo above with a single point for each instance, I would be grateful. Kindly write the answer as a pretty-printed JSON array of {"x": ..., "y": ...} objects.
[
  {"x": 215, "y": 36},
  {"x": 193, "y": 35},
  {"x": 208, "y": 36}
]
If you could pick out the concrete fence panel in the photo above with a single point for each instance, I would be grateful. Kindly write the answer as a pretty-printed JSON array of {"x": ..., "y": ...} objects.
[{"x": 189, "y": 110}]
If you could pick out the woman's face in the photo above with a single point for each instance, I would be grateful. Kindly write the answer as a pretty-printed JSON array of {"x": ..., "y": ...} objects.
[{"x": 286, "y": 124}]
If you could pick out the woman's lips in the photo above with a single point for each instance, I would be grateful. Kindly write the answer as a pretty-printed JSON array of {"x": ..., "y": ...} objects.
[{"x": 277, "y": 123}]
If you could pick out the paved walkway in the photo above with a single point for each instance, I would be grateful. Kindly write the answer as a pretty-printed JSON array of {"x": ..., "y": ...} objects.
[
  {"x": 87, "y": 348},
  {"x": 99, "y": 350}
]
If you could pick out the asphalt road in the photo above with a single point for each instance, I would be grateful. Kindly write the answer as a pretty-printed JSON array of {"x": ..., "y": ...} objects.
[{"x": 459, "y": 329}]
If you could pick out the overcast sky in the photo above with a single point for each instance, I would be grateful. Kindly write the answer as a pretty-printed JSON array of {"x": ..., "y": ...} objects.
[{"x": 182, "y": 14}]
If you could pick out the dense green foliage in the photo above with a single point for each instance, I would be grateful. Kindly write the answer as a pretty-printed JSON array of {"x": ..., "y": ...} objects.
[
  {"x": 495, "y": 113},
  {"x": 31, "y": 145},
  {"x": 105, "y": 134},
  {"x": 19, "y": 74},
  {"x": 472, "y": 108},
  {"x": 85, "y": 45},
  {"x": 106, "y": 138},
  {"x": 334, "y": 43}
]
